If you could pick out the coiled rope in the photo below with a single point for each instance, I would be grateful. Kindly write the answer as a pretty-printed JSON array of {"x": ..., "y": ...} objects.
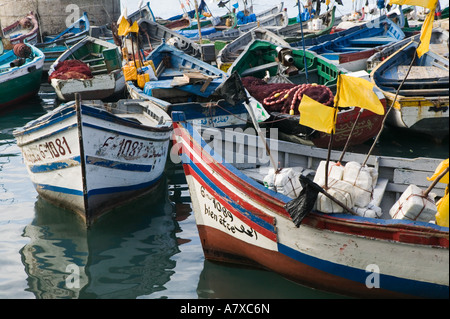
[{"x": 320, "y": 93}]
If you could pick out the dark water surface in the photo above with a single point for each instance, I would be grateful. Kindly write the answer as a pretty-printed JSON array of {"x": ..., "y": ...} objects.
[{"x": 148, "y": 249}]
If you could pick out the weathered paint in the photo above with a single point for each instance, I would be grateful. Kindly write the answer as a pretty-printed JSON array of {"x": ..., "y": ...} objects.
[
  {"x": 92, "y": 161},
  {"x": 330, "y": 252},
  {"x": 19, "y": 83}
]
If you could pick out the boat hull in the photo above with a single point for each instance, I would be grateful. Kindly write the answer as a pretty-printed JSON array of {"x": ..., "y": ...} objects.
[
  {"x": 21, "y": 83},
  {"x": 92, "y": 167},
  {"x": 17, "y": 34},
  {"x": 422, "y": 103},
  {"x": 98, "y": 88},
  {"x": 241, "y": 222},
  {"x": 197, "y": 113},
  {"x": 102, "y": 58}
]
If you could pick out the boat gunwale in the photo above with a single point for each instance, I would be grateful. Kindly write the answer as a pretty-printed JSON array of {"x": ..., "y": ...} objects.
[{"x": 353, "y": 224}]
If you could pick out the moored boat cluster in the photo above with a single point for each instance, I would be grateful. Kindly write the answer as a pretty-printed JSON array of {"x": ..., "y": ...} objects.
[{"x": 134, "y": 95}]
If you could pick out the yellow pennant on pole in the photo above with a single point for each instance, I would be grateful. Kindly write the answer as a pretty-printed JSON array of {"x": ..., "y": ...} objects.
[
  {"x": 427, "y": 27},
  {"x": 440, "y": 169},
  {"x": 352, "y": 91},
  {"x": 316, "y": 115},
  {"x": 125, "y": 28},
  {"x": 429, "y": 4}
]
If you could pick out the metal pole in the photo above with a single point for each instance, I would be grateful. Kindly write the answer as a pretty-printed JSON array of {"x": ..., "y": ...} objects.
[
  {"x": 199, "y": 29},
  {"x": 303, "y": 41}
]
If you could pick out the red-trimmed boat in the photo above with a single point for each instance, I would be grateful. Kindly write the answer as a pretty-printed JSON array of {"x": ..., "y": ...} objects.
[
  {"x": 241, "y": 221},
  {"x": 23, "y": 30},
  {"x": 285, "y": 69}
]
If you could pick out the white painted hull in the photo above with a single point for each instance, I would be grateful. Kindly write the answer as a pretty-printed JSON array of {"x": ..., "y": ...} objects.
[
  {"x": 98, "y": 88},
  {"x": 423, "y": 119},
  {"x": 243, "y": 222},
  {"x": 93, "y": 167}
]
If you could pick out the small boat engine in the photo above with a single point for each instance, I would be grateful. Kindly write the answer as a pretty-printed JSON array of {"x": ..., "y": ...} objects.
[{"x": 286, "y": 60}]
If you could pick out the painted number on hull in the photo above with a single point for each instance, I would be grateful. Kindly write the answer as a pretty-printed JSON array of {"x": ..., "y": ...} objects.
[
  {"x": 48, "y": 150},
  {"x": 56, "y": 149},
  {"x": 224, "y": 217},
  {"x": 131, "y": 149}
]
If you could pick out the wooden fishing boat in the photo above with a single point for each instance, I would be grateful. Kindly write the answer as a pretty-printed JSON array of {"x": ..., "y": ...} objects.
[
  {"x": 144, "y": 12},
  {"x": 90, "y": 157},
  {"x": 183, "y": 21},
  {"x": 272, "y": 22},
  {"x": 311, "y": 29},
  {"x": 438, "y": 44},
  {"x": 423, "y": 100},
  {"x": 242, "y": 222},
  {"x": 55, "y": 45},
  {"x": 187, "y": 84},
  {"x": 311, "y": 41},
  {"x": 272, "y": 18},
  {"x": 152, "y": 34},
  {"x": 352, "y": 51},
  {"x": 103, "y": 77},
  {"x": 20, "y": 78},
  {"x": 285, "y": 68},
  {"x": 231, "y": 51},
  {"x": 24, "y": 30}
]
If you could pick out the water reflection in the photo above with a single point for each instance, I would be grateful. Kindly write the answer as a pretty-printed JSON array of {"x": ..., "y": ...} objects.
[
  {"x": 125, "y": 254},
  {"x": 223, "y": 281}
]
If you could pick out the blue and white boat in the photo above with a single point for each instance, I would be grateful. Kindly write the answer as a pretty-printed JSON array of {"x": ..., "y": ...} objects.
[
  {"x": 184, "y": 83},
  {"x": 55, "y": 45},
  {"x": 90, "y": 157},
  {"x": 351, "y": 51}
]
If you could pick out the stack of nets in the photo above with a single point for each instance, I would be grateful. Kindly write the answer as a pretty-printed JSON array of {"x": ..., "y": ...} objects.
[
  {"x": 22, "y": 50},
  {"x": 71, "y": 69},
  {"x": 268, "y": 94}
]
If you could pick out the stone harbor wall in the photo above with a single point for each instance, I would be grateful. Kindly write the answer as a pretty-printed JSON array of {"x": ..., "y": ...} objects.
[{"x": 55, "y": 15}]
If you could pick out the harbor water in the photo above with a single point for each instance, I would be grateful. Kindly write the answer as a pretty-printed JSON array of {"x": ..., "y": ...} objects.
[{"x": 148, "y": 249}]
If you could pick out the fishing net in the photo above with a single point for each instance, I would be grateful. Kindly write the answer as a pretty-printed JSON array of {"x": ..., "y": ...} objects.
[
  {"x": 26, "y": 23},
  {"x": 282, "y": 97},
  {"x": 71, "y": 69},
  {"x": 22, "y": 50}
]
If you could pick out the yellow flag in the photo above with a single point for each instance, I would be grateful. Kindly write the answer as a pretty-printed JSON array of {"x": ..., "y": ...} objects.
[
  {"x": 125, "y": 28},
  {"x": 425, "y": 34},
  {"x": 430, "y": 4},
  {"x": 441, "y": 167},
  {"x": 327, "y": 2},
  {"x": 427, "y": 27},
  {"x": 316, "y": 115},
  {"x": 442, "y": 208},
  {"x": 352, "y": 91}
]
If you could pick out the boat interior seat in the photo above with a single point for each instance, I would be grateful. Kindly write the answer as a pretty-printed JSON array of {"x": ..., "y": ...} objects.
[
  {"x": 374, "y": 41},
  {"x": 259, "y": 68}
]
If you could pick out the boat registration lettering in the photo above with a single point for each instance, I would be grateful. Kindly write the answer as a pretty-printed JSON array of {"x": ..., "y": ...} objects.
[
  {"x": 130, "y": 149},
  {"x": 48, "y": 150},
  {"x": 220, "y": 214}
]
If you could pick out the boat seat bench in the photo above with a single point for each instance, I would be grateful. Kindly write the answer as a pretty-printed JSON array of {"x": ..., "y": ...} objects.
[
  {"x": 259, "y": 68},
  {"x": 375, "y": 41}
]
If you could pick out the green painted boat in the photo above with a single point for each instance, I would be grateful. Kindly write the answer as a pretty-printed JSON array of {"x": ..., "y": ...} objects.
[
  {"x": 105, "y": 77},
  {"x": 285, "y": 67},
  {"x": 20, "y": 79},
  {"x": 311, "y": 28}
]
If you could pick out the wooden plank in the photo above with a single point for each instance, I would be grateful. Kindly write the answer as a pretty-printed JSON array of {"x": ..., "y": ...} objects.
[
  {"x": 206, "y": 84},
  {"x": 421, "y": 72}
]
